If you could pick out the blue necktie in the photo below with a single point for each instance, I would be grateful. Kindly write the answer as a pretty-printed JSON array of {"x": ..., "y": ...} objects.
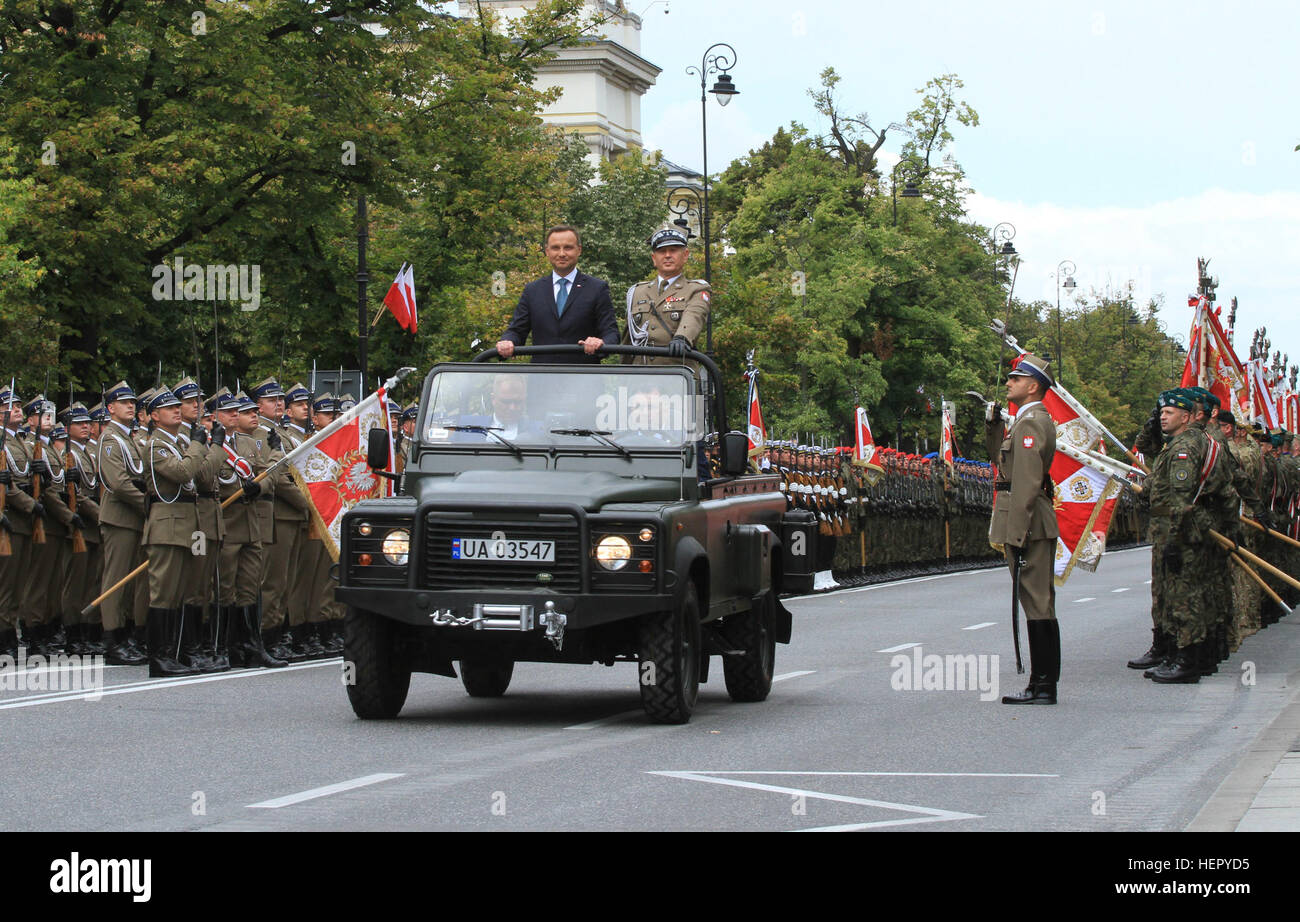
[{"x": 562, "y": 297}]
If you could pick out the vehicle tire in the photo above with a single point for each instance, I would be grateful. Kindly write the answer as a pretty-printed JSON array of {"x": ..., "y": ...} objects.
[
  {"x": 669, "y": 667},
  {"x": 380, "y": 675},
  {"x": 486, "y": 678},
  {"x": 749, "y": 676}
]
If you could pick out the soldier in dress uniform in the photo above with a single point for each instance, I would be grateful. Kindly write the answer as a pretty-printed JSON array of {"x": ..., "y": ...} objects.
[
  {"x": 15, "y": 476},
  {"x": 321, "y": 603},
  {"x": 345, "y": 403},
  {"x": 174, "y": 461},
  {"x": 241, "y": 550},
  {"x": 200, "y": 613},
  {"x": 121, "y": 522},
  {"x": 312, "y": 637},
  {"x": 1023, "y": 518},
  {"x": 668, "y": 310},
  {"x": 98, "y": 420},
  {"x": 289, "y": 531},
  {"x": 84, "y": 572},
  {"x": 40, "y": 592}
]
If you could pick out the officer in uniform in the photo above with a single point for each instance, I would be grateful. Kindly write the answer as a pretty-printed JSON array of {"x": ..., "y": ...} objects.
[
  {"x": 15, "y": 475},
  {"x": 289, "y": 531},
  {"x": 241, "y": 550},
  {"x": 1187, "y": 482},
  {"x": 40, "y": 591},
  {"x": 121, "y": 522},
  {"x": 317, "y": 560},
  {"x": 174, "y": 462},
  {"x": 1246, "y": 593},
  {"x": 199, "y": 646},
  {"x": 84, "y": 570},
  {"x": 667, "y": 310},
  {"x": 1023, "y": 518}
]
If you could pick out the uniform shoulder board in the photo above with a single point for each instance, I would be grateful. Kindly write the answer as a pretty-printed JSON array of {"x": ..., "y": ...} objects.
[{"x": 700, "y": 281}]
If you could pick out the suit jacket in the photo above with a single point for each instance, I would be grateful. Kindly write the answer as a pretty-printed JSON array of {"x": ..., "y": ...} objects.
[
  {"x": 588, "y": 311},
  {"x": 1022, "y": 511}
]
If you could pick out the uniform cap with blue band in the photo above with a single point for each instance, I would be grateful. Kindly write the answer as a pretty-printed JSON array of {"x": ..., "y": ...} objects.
[
  {"x": 163, "y": 397},
  {"x": 1032, "y": 366}
]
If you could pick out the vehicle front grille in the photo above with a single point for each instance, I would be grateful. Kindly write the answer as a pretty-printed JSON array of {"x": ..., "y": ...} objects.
[{"x": 441, "y": 571}]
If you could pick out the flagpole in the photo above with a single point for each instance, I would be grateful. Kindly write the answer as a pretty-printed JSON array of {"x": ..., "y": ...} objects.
[{"x": 362, "y": 278}]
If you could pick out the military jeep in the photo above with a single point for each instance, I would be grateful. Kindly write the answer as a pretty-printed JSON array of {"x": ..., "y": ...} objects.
[{"x": 561, "y": 514}]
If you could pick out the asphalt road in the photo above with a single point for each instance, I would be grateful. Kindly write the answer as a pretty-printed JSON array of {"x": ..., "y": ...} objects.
[{"x": 842, "y": 743}]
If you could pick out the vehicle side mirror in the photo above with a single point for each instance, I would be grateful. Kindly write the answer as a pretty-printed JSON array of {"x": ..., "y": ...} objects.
[
  {"x": 377, "y": 449},
  {"x": 735, "y": 453}
]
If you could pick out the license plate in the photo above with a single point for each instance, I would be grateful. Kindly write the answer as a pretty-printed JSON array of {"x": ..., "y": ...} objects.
[{"x": 524, "y": 551}]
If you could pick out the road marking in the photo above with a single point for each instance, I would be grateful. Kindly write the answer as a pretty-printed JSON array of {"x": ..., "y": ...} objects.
[
  {"x": 1146, "y": 582},
  {"x": 792, "y": 675},
  {"x": 982, "y": 624},
  {"x": 928, "y": 814},
  {"x": 127, "y": 688},
  {"x": 894, "y": 774},
  {"x": 606, "y": 721},
  {"x": 901, "y": 646},
  {"x": 291, "y": 799},
  {"x": 1121, "y": 589},
  {"x": 1087, "y": 598},
  {"x": 888, "y": 585}
]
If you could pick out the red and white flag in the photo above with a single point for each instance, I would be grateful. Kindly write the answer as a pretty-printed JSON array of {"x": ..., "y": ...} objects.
[
  {"x": 945, "y": 450},
  {"x": 401, "y": 299},
  {"x": 1262, "y": 405},
  {"x": 865, "y": 452},
  {"x": 757, "y": 431},
  {"x": 331, "y": 467}
]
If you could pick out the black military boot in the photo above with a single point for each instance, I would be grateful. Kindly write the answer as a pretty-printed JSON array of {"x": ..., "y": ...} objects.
[
  {"x": 253, "y": 648},
  {"x": 1181, "y": 671},
  {"x": 230, "y": 636},
  {"x": 56, "y": 639},
  {"x": 308, "y": 641},
  {"x": 1044, "y": 664},
  {"x": 165, "y": 644},
  {"x": 121, "y": 652},
  {"x": 281, "y": 645},
  {"x": 1204, "y": 658},
  {"x": 139, "y": 639},
  {"x": 333, "y": 639},
  {"x": 1160, "y": 646},
  {"x": 92, "y": 639},
  {"x": 9, "y": 642},
  {"x": 192, "y": 653},
  {"x": 213, "y": 638}
]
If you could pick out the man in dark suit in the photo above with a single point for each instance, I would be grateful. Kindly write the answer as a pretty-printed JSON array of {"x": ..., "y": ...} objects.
[{"x": 565, "y": 307}]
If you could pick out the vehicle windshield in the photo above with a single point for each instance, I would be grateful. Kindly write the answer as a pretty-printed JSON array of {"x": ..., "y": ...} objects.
[{"x": 525, "y": 408}]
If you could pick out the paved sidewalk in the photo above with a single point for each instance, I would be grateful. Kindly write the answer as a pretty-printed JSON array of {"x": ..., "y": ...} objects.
[{"x": 1262, "y": 794}]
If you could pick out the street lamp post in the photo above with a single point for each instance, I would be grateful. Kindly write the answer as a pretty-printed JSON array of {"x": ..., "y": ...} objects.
[
  {"x": 1069, "y": 269},
  {"x": 909, "y": 190},
  {"x": 1004, "y": 232},
  {"x": 712, "y": 63}
]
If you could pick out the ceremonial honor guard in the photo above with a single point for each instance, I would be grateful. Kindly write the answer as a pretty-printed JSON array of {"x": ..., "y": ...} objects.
[
  {"x": 241, "y": 551},
  {"x": 121, "y": 522},
  {"x": 41, "y": 591},
  {"x": 15, "y": 475},
  {"x": 171, "y": 527},
  {"x": 1024, "y": 522},
  {"x": 201, "y": 623},
  {"x": 84, "y": 572}
]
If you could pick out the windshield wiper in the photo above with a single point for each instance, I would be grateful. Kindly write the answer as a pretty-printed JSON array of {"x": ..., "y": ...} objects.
[
  {"x": 599, "y": 435},
  {"x": 493, "y": 431}
]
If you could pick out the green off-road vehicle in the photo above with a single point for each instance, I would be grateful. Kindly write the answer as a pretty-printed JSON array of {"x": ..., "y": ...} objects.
[{"x": 556, "y": 513}]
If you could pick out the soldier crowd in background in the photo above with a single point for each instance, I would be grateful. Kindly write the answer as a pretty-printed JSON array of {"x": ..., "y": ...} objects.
[
  {"x": 911, "y": 517},
  {"x": 1206, "y": 471},
  {"x": 238, "y": 570}
]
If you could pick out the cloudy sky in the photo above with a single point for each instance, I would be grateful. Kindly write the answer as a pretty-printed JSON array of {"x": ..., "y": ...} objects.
[{"x": 1129, "y": 138}]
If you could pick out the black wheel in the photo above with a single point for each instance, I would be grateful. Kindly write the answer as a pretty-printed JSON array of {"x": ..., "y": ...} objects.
[
  {"x": 377, "y": 676},
  {"x": 669, "y": 667},
  {"x": 749, "y": 675},
  {"x": 486, "y": 678}
]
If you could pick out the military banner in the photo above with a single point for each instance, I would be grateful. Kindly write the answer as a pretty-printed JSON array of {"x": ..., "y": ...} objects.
[
  {"x": 757, "y": 431},
  {"x": 1084, "y": 502},
  {"x": 331, "y": 467},
  {"x": 865, "y": 453}
]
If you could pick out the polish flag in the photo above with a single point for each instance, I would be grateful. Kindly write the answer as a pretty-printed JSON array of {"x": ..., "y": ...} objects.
[
  {"x": 946, "y": 451},
  {"x": 757, "y": 431},
  {"x": 865, "y": 451},
  {"x": 401, "y": 299}
]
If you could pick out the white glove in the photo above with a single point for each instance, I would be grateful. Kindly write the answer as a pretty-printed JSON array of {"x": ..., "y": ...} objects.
[{"x": 992, "y": 411}]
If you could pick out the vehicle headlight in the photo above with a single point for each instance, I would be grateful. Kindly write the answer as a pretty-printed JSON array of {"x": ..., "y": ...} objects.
[
  {"x": 613, "y": 552},
  {"x": 396, "y": 546}
]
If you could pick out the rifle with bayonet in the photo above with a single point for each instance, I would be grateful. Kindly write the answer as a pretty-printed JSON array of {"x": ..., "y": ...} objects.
[{"x": 6, "y": 546}]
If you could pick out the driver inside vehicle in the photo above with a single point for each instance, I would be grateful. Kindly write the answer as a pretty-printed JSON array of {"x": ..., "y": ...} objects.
[{"x": 509, "y": 401}]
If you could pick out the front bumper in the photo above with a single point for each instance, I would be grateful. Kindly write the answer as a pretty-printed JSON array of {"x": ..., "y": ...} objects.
[{"x": 430, "y": 607}]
